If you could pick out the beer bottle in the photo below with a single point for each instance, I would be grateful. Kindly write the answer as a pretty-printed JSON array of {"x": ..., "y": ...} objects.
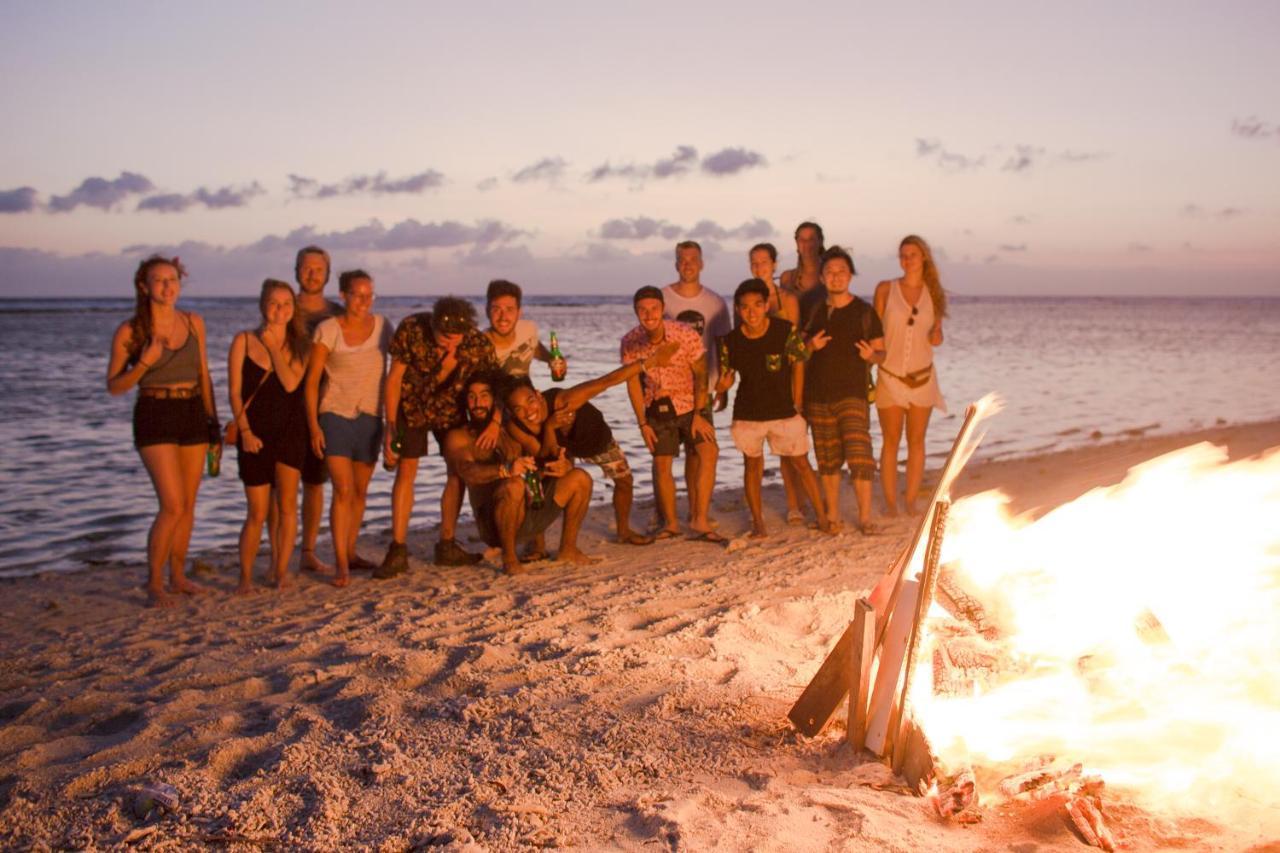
[
  {"x": 213, "y": 459},
  {"x": 557, "y": 359},
  {"x": 397, "y": 442},
  {"x": 533, "y": 482}
]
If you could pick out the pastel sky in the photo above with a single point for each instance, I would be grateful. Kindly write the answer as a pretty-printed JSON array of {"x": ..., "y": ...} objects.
[{"x": 1085, "y": 147}]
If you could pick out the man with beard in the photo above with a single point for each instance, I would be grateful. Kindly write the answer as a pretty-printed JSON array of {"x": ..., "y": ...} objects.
[
  {"x": 506, "y": 513},
  {"x": 433, "y": 356},
  {"x": 544, "y": 423},
  {"x": 311, "y": 270}
]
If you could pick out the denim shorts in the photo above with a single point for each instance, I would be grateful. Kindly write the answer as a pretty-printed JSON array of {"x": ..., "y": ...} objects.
[{"x": 358, "y": 439}]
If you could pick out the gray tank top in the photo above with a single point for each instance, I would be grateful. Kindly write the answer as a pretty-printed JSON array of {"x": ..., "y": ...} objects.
[{"x": 179, "y": 366}]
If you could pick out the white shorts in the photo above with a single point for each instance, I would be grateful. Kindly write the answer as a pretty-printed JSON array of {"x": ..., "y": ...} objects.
[{"x": 787, "y": 436}]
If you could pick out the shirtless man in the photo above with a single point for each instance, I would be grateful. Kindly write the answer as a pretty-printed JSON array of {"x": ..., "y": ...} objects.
[
  {"x": 495, "y": 480},
  {"x": 311, "y": 269},
  {"x": 545, "y": 423},
  {"x": 810, "y": 244}
]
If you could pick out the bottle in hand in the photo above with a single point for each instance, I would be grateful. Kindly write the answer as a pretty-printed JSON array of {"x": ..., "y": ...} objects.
[{"x": 558, "y": 366}]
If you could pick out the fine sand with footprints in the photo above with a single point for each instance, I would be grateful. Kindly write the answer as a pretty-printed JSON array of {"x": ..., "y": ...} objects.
[{"x": 637, "y": 704}]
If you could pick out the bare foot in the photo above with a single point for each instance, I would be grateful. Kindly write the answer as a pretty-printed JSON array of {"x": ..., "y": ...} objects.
[
  {"x": 632, "y": 538},
  {"x": 891, "y": 510},
  {"x": 573, "y": 555},
  {"x": 281, "y": 580},
  {"x": 868, "y": 528},
  {"x": 534, "y": 555},
  {"x": 515, "y": 567},
  {"x": 246, "y": 587},
  {"x": 182, "y": 586},
  {"x": 156, "y": 597},
  {"x": 341, "y": 579},
  {"x": 795, "y": 517},
  {"x": 309, "y": 562},
  {"x": 360, "y": 564},
  {"x": 758, "y": 530},
  {"x": 835, "y": 527}
]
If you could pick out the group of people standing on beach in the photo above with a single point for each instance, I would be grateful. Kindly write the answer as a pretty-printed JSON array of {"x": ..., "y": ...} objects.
[{"x": 318, "y": 390}]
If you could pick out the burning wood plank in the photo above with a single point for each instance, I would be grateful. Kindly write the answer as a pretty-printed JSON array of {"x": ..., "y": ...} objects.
[
  {"x": 1053, "y": 778},
  {"x": 957, "y": 796},
  {"x": 1087, "y": 818},
  {"x": 961, "y": 605}
]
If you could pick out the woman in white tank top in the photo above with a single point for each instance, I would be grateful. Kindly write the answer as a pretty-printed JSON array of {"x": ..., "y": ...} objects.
[{"x": 911, "y": 310}]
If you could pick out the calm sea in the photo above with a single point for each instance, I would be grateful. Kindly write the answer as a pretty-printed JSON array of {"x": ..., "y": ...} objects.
[{"x": 1071, "y": 371}]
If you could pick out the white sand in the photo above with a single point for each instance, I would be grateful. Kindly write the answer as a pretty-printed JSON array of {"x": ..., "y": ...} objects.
[{"x": 637, "y": 704}]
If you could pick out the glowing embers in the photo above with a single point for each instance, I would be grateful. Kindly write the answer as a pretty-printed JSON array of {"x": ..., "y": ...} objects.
[{"x": 1134, "y": 631}]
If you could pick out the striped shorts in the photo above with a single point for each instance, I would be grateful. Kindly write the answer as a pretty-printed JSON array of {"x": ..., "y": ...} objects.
[{"x": 841, "y": 434}]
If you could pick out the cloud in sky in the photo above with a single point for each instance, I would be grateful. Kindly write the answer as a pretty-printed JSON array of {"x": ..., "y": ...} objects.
[
  {"x": 1196, "y": 211},
  {"x": 301, "y": 186},
  {"x": 487, "y": 184},
  {"x": 730, "y": 161},
  {"x": 644, "y": 227},
  {"x": 101, "y": 193},
  {"x": 547, "y": 169},
  {"x": 212, "y": 199},
  {"x": 1252, "y": 127},
  {"x": 1012, "y": 247},
  {"x": 1022, "y": 159},
  {"x": 1020, "y": 219},
  {"x": 20, "y": 200},
  {"x": 682, "y": 161}
]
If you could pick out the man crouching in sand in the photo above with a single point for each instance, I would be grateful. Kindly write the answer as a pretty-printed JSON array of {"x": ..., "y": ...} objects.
[{"x": 506, "y": 514}]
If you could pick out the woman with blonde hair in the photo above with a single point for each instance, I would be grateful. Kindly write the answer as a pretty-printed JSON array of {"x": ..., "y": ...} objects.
[
  {"x": 161, "y": 350},
  {"x": 264, "y": 371},
  {"x": 345, "y": 416},
  {"x": 911, "y": 309}
]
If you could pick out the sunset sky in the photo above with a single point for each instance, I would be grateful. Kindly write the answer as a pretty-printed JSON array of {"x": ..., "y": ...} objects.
[{"x": 1043, "y": 149}]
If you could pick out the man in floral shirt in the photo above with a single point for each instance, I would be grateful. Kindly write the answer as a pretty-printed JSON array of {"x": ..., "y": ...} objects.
[
  {"x": 668, "y": 402},
  {"x": 433, "y": 354}
]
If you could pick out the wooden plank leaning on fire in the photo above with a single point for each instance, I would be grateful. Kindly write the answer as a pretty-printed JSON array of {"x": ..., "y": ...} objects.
[{"x": 831, "y": 684}]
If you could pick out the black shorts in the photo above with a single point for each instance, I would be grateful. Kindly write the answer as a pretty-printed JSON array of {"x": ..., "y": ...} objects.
[
  {"x": 535, "y": 520},
  {"x": 182, "y": 422},
  {"x": 415, "y": 440},
  {"x": 671, "y": 434}
]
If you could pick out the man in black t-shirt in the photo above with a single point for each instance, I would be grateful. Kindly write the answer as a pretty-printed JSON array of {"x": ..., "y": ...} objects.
[
  {"x": 846, "y": 338},
  {"x": 768, "y": 353}
]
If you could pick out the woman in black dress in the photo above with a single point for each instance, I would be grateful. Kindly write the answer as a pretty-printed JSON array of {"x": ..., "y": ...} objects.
[{"x": 265, "y": 371}]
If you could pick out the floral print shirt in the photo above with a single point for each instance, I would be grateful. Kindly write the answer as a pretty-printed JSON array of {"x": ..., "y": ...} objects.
[
  {"x": 423, "y": 402},
  {"x": 676, "y": 379}
]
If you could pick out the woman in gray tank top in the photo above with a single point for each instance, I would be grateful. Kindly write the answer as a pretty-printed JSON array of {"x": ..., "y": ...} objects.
[{"x": 161, "y": 351}]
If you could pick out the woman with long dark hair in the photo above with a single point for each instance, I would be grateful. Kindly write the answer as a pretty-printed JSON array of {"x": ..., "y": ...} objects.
[
  {"x": 264, "y": 371},
  {"x": 161, "y": 351},
  {"x": 911, "y": 309},
  {"x": 345, "y": 416}
]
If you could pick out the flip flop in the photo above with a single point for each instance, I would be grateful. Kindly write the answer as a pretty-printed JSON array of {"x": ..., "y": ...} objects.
[
  {"x": 707, "y": 536},
  {"x": 637, "y": 539},
  {"x": 665, "y": 533},
  {"x": 869, "y": 529}
]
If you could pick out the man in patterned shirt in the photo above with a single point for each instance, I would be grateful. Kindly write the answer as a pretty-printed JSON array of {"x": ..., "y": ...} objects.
[
  {"x": 668, "y": 404},
  {"x": 433, "y": 354}
]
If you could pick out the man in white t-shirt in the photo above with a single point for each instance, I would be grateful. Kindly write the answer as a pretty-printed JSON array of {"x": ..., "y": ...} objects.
[
  {"x": 515, "y": 340},
  {"x": 705, "y": 311}
]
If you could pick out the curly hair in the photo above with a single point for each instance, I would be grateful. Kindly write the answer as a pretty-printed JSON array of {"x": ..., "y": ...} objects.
[
  {"x": 931, "y": 279},
  {"x": 140, "y": 326}
]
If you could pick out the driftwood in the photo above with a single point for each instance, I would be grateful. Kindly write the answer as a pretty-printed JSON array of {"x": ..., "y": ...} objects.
[
  {"x": 826, "y": 690},
  {"x": 1087, "y": 819},
  {"x": 861, "y": 657},
  {"x": 893, "y": 651}
]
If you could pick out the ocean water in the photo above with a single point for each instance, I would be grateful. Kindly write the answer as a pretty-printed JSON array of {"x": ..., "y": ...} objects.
[{"x": 73, "y": 493}]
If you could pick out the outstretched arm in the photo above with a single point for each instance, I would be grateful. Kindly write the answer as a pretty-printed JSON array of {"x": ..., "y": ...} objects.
[{"x": 577, "y": 395}]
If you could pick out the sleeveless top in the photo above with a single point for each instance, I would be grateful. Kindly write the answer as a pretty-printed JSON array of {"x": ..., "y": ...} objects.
[
  {"x": 179, "y": 366},
  {"x": 276, "y": 416},
  {"x": 589, "y": 434},
  {"x": 907, "y": 350}
]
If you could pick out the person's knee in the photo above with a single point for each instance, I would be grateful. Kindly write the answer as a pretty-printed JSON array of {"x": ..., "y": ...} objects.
[{"x": 578, "y": 481}]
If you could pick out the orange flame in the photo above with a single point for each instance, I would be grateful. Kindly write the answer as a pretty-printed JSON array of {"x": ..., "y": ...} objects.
[{"x": 1143, "y": 621}]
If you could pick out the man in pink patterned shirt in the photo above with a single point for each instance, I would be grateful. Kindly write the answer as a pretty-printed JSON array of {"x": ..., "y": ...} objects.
[{"x": 668, "y": 402}]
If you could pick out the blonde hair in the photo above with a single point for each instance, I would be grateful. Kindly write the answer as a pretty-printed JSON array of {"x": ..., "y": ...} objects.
[{"x": 931, "y": 279}]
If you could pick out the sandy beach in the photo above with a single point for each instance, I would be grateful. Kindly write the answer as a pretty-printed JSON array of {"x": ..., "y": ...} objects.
[{"x": 637, "y": 704}]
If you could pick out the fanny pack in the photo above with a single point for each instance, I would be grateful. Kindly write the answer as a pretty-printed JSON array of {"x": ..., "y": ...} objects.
[
  {"x": 914, "y": 379},
  {"x": 661, "y": 410}
]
